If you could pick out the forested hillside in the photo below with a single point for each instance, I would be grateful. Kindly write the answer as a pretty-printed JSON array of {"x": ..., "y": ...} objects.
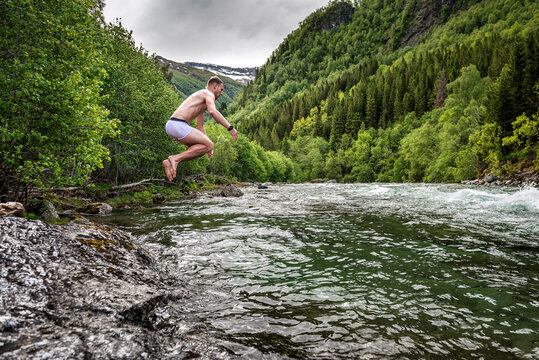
[{"x": 402, "y": 91}]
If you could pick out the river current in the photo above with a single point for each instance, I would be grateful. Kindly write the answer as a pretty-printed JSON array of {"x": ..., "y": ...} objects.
[{"x": 324, "y": 271}]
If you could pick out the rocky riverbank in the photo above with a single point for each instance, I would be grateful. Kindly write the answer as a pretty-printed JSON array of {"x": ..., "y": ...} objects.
[
  {"x": 83, "y": 290},
  {"x": 521, "y": 179}
]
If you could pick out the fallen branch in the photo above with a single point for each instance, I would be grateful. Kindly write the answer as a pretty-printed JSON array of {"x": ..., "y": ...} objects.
[{"x": 127, "y": 186}]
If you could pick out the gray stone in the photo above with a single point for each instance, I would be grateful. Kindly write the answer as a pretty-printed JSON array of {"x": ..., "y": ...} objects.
[
  {"x": 229, "y": 191},
  {"x": 96, "y": 209},
  {"x": 158, "y": 198},
  {"x": 490, "y": 178},
  {"x": 90, "y": 291},
  {"x": 49, "y": 211}
]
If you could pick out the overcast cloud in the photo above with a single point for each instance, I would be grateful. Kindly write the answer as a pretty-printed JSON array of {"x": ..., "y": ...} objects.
[{"x": 224, "y": 32}]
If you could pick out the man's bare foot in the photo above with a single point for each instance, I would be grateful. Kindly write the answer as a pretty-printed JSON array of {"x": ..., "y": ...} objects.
[
  {"x": 168, "y": 169},
  {"x": 173, "y": 166}
]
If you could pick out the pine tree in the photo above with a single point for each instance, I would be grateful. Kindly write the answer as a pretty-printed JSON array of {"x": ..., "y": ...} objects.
[{"x": 441, "y": 90}]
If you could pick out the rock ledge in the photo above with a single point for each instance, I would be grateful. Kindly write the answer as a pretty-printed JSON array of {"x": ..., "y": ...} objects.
[{"x": 87, "y": 291}]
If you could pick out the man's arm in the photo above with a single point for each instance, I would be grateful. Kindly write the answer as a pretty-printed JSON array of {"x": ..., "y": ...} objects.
[
  {"x": 200, "y": 123},
  {"x": 210, "y": 106},
  {"x": 200, "y": 127}
]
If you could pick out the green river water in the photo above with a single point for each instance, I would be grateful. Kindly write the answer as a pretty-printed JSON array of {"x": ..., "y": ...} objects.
[{"x": 369, "y": 271}]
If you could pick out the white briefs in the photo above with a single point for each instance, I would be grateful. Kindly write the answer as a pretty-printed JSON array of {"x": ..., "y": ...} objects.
[{"x": 177, "y": 128}]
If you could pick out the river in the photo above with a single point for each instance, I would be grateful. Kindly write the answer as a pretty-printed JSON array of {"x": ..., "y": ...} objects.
[{"x": 357, "y": 270}]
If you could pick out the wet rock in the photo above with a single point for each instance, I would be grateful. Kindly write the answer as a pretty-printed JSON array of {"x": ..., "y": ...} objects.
[
  {"x": 262, "y": 186},
  {"x": 331, "y": 182},
  {"x": 96, "y": 209},
  {"x": 12, "y": 209},
  {"x": 490, "y": 178},
  {"x": 158, "y": 198},
  {"x": 522, "y": 179},
  {"x": 229, "y": 191},
  {"x": 90, "y": 291}
]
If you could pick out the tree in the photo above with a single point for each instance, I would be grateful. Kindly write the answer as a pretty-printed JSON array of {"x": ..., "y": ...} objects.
[
  {"x": 142, "y": 99},
  {"x": 53, "y": 119},
  {"x": 441, "y": 90}
]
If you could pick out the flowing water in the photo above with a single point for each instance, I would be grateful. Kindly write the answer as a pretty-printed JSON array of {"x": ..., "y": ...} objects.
[{"x": 357, "y": 271}]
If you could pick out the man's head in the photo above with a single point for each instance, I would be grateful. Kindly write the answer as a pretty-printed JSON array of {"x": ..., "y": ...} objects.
[{"x": 216, "y": 86}]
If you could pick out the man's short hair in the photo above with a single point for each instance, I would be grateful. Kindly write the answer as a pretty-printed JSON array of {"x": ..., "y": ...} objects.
[{"x": 215, "y": 80}]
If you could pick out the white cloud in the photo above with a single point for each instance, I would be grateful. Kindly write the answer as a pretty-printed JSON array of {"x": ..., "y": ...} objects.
[{"x": 233, "y": 32}]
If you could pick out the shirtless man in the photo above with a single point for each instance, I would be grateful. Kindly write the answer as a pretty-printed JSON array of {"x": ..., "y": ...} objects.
[{"x": 196, "y": 140}]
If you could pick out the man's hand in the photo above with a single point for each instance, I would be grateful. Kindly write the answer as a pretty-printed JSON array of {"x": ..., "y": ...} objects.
[
  {"x": 210, "y": 154},
  {"x": 234, "y": 134}
]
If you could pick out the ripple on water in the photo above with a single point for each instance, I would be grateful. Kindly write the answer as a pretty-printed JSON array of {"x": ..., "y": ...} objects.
[{"x": 359, "y": 270}]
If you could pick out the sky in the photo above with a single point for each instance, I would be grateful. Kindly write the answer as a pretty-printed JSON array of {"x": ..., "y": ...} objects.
[{"x": 236, "y": 33}]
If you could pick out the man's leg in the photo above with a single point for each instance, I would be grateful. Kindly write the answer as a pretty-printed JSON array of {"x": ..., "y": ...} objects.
[{"x": 198, "y": 144}]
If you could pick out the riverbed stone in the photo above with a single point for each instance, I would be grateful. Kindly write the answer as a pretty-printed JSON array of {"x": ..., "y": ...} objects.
[
  {"x": 96, "y": 208},
  {"x": 490, "y": 178},
  {"x": 91, "y": 291},
  {"x": 229, "y": 190},
  {"x": 158, "y": 198}
]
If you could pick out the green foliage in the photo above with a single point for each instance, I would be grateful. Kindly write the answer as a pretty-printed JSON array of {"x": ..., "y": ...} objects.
[
  {"x": 136, "y": 93},
  {"x": 131, "y": 199},
  {"x": 488, "y": 145},
  {"x": 524, "y": 141},
  {"x": 356, "y": 79},
  {"x": 53, "y": 119}
]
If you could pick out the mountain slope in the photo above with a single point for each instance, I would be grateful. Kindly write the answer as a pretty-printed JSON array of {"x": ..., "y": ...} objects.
[
  {"x": 187, "y": 79},
  {"x": 243, "y": 75},
  {"x": 391, "y": 61}
]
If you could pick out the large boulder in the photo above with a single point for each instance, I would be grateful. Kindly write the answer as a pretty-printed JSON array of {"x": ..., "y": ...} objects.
[
  {"x": 49, "y": 211},
  {"x": 12, "y": 209},
  {"x": 229, "y": 191},
  {"x": 97, "y": 208},
  {"x": 84, "y": 290}
]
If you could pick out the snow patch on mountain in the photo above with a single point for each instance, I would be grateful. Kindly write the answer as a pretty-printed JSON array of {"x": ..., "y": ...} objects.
[{"x": 244, "y": 75}]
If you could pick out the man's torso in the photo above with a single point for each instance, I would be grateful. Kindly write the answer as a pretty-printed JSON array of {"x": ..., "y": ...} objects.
[{"x": 193, "y": 106}]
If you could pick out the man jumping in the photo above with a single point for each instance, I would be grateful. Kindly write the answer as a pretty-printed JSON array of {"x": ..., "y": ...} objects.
[{"x": 196, "y": 140}]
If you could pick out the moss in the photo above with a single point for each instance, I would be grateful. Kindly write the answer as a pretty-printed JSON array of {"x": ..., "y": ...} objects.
[
  {"x": 127, "y": 246},
  {"x": 57, "y": 221},
  {"x": 98, "y": 244}
]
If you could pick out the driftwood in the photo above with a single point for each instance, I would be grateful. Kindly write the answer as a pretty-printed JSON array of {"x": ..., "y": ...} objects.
[{"x": 127, "y": 186}]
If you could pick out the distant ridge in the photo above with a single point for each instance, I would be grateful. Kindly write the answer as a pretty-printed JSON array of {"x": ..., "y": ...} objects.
[
  {"x": 187, "y": 79},
  {"x": 244, "y": 74}
]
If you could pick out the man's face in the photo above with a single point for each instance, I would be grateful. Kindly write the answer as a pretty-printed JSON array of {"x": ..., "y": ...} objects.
[{"x": 218, "y": 90}]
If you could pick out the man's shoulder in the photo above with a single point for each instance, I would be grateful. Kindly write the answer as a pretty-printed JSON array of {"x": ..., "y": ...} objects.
[
  {"x": 207, "y": 93},
  {"x": 200, "y": 95}
]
